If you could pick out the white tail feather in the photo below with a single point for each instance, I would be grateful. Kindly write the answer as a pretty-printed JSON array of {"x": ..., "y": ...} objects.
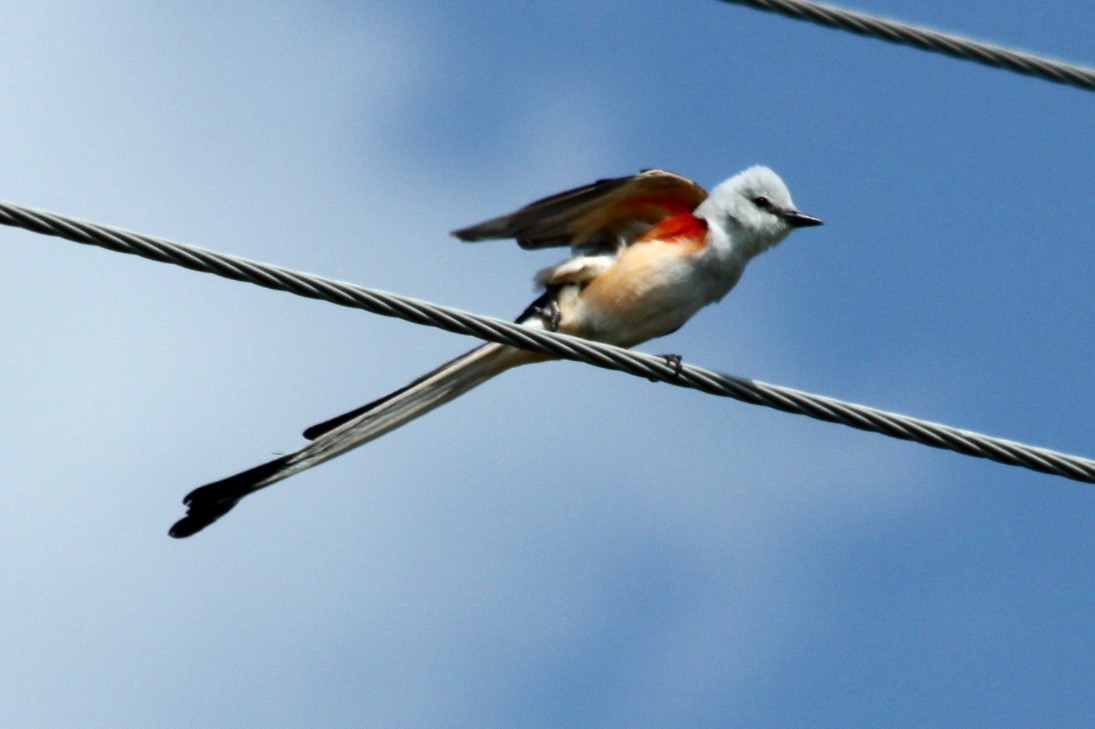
[{"x": 452, "y": 379}]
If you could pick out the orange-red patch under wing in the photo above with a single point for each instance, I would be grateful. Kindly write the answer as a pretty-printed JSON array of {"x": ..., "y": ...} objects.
[{"x": 680, "y": 228}]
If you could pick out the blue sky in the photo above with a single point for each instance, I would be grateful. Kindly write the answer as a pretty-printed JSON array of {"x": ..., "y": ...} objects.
[{"x": 565, "y": 546}]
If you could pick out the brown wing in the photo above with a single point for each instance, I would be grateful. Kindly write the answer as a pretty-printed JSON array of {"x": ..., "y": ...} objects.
[{"x": 599, "y": 214}]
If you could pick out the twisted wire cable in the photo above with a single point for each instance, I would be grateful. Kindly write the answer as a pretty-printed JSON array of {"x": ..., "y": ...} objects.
[
  {"x": 929, "y": 40},
  {"x": 602, "y": 355}
]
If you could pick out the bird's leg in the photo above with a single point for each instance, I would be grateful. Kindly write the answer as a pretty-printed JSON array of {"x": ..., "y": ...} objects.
[
  {"x": 550, "y": 313},
  {"x": 545, "y": 308}
]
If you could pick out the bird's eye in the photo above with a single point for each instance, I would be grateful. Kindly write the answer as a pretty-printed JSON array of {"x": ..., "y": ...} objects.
[{"x": 762, "y": 202}]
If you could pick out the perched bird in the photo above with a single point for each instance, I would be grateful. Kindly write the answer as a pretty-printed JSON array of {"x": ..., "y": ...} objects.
[{"x": 650, "y": 250}]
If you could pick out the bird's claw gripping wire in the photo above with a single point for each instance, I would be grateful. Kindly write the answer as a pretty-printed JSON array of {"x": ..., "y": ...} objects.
[{"x": 674, "y": 361}]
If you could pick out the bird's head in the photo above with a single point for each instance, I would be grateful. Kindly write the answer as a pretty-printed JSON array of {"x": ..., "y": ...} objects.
[{"x": 755, "y": 210}]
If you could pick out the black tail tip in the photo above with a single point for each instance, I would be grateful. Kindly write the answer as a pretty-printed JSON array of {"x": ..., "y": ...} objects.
[
  {"x": 206, "y": 504},
  {"x": 199, "y": 516},
  {"x": 185, "y": 527}
]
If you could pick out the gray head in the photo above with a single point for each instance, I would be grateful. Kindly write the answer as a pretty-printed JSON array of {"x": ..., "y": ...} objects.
[{"x": 755, "y": 210}]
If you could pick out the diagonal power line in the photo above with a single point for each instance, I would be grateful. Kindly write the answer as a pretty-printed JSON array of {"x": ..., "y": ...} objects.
[
  {"x": 602, "y": 355},
  {"x": 929, "y": 40}
]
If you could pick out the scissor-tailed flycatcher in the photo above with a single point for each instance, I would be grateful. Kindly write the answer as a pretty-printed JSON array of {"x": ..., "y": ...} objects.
[{"x": 650, "y": 251}]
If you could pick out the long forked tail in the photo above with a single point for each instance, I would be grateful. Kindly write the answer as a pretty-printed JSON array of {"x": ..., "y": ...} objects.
[{"x": 208, "y": 503}]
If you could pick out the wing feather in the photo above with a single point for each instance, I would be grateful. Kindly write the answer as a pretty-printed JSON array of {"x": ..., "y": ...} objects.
[{"x": 601, "y": 214}]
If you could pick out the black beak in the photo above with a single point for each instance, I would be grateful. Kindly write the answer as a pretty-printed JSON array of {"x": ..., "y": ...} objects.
[{"x": 799, "y": 220}]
